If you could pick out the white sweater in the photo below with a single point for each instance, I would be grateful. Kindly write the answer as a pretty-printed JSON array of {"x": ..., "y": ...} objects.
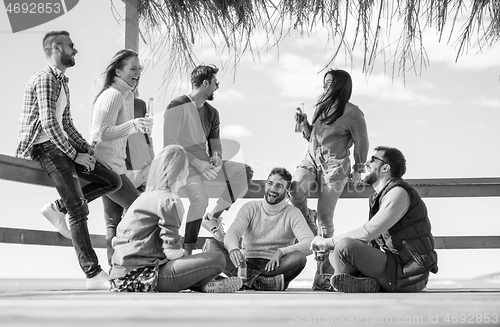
[
  {"x": 112, "y": 123},
  {"x": 266, "y": 228}
]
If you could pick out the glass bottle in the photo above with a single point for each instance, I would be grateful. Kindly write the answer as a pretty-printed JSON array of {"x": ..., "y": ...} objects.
[
  {"x": 299, "y": 118},
  {"x": 242, "y": 270},
  {"x": 149, "y": 113},
  {"x": 319, "y": 255}
]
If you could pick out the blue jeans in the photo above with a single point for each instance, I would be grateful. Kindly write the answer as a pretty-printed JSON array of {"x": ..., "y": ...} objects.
[
  {"x": 74, "y": 199},
  {"x": 191, "y": 272},
  {"x": 291, "y": 265},
  {"x": 356, "y": 258},
  {"x": 114, "y": 204},
  {"x": 238, "y": 174}
]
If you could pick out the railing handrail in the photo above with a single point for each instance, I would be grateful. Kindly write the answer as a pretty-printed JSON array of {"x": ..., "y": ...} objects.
[{"x": 29, "y": 171}]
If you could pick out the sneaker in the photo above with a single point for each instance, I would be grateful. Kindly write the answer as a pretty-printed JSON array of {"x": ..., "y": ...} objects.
[
  {"x": 223, "y": 285},
  {"x": 349, "y": 284},
  {"x": 275, "y": 283},
  {"x": 57, "y": 218},
  {"x": 99, "y": 282},
  {"x": 322, "y": 282},
  {"x": 214, "y": 226}
]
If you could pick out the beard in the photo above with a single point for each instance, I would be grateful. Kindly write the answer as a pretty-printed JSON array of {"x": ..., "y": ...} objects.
[
  {"x": 67, "y": 60},
  {"x": 274, "y": 199},
  {"x": 210, "y": 97},
  {"x": 371, "y": 178}
]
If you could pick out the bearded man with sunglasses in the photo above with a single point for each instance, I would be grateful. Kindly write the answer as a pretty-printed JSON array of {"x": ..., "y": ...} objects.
[
  {"x": 47, "y": 134},
  {"x": 394, "y": 250}
]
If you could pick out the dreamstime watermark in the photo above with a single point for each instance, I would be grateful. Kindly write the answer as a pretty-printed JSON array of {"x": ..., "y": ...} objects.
[
  {"x": 431, "y": 318},
  {"x": 26, "y": 14}
]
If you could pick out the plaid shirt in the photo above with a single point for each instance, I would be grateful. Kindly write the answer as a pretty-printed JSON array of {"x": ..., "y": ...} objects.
[{"x": 39, "y": 112}]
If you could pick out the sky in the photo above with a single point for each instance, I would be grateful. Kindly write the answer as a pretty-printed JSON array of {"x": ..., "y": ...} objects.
[{"x": 445, "y": 121}]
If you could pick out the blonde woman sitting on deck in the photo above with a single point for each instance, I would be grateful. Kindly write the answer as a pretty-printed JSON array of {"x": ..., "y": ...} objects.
[{"x": 148, "y": 254}]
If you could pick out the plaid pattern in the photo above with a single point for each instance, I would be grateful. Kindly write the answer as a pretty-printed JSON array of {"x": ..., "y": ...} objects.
[
  {"x": 142, "y": 279},
  {"x": 39, "y": 112}
]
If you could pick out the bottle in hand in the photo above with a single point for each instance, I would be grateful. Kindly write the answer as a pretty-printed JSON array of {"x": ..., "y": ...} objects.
[
  {"x": 299, "y": 118},
  {"x": 242, "y": 270},
  {"x": 149, "y": 114},
  {"x": 319, "y": 255}
]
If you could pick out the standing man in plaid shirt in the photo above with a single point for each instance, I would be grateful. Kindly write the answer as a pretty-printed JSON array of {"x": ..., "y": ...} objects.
[{"x": 47, "y": 134}]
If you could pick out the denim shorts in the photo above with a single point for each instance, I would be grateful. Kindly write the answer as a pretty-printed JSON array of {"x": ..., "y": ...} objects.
[{"x": 329, "y": 171}]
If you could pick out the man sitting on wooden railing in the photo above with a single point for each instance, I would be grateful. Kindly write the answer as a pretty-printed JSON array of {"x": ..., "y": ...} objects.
[
  {"x": 47, "y": 134},
  {"x": 398, "y": 225}
]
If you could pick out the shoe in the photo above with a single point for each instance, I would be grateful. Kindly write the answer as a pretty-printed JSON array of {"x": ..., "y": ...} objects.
[
  {"x": 275, "y": 283},
  {"x": 322, "y": 283},
  {"x": 349, "y": 284},
  {"x": 223, "y": 285},
  {"x": 99, "y": 282},
  {"x": 324, "y": 270},
  {"x": 214, "y": 226},
  {"x": 57, "y": 218}
]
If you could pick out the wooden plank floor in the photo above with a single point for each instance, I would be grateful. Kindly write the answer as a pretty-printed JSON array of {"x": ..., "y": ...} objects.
[{"x": 67, "y": 304}]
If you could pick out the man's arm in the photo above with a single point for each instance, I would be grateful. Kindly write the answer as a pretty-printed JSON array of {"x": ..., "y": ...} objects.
[
  {"x": 47, "y": 102},
  {"x": 302, "y": 233},
  {"x": 238, "y": 227},
  {"x": 394, "y": 205},
  {"x": 172, "y": 123},
  {"x": 214, "y": 135},
  {"x": 74, "y": 136}
]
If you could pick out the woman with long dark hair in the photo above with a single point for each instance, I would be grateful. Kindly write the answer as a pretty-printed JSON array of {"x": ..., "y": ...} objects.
[
  {"x": 336, "y": 126},
  {"x": 112, "y": 122}
]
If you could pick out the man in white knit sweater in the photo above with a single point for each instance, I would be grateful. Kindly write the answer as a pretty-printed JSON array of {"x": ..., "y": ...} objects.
[{"x": 275, "y": 238}]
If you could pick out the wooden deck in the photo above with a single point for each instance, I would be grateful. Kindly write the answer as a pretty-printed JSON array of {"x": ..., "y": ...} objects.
[{"x": 66, "y": 303}]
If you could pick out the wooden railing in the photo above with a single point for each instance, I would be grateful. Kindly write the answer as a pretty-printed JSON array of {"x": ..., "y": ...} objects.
[{"x": 30, "y": 172}]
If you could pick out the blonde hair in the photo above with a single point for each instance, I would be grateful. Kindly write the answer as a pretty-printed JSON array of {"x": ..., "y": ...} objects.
[{"x": 166, "y": 167}]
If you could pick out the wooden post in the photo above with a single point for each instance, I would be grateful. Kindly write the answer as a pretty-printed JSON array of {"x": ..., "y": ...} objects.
[{"x": 131, "y": 25}]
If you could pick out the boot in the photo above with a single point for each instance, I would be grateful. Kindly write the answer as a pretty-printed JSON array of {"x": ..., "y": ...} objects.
[{"x": 324, "y": 271}]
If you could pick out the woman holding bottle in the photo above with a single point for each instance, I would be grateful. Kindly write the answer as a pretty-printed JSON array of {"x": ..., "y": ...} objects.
[
  {"x": 112, "y": 122},
  {"x": 336, "y": 126}
]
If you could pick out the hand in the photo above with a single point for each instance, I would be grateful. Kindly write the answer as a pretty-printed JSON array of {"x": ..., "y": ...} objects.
[
  {"x": 319, "y": 244},
  {"x": 356, "y": 178},
  {"x": 274, "y": 262},
  {"x": 216, "y": 160},
  {"x": 304, "y": 119},
  {"x": 205, "y": 168},
  {"x": 298, "y": 116},
  {"x": 236, "y": 257},
  {"x": 143, "y": 125},
  {"x": 85, "y": 160}
]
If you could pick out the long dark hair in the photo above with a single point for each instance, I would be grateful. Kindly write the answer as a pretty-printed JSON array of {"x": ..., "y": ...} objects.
[
  {"x": 338, "y": 93},
  {"x": 117, "y": 62}
]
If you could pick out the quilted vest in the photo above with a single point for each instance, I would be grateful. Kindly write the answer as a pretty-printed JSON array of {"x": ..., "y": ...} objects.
[{"x": 409, "y": 244}]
